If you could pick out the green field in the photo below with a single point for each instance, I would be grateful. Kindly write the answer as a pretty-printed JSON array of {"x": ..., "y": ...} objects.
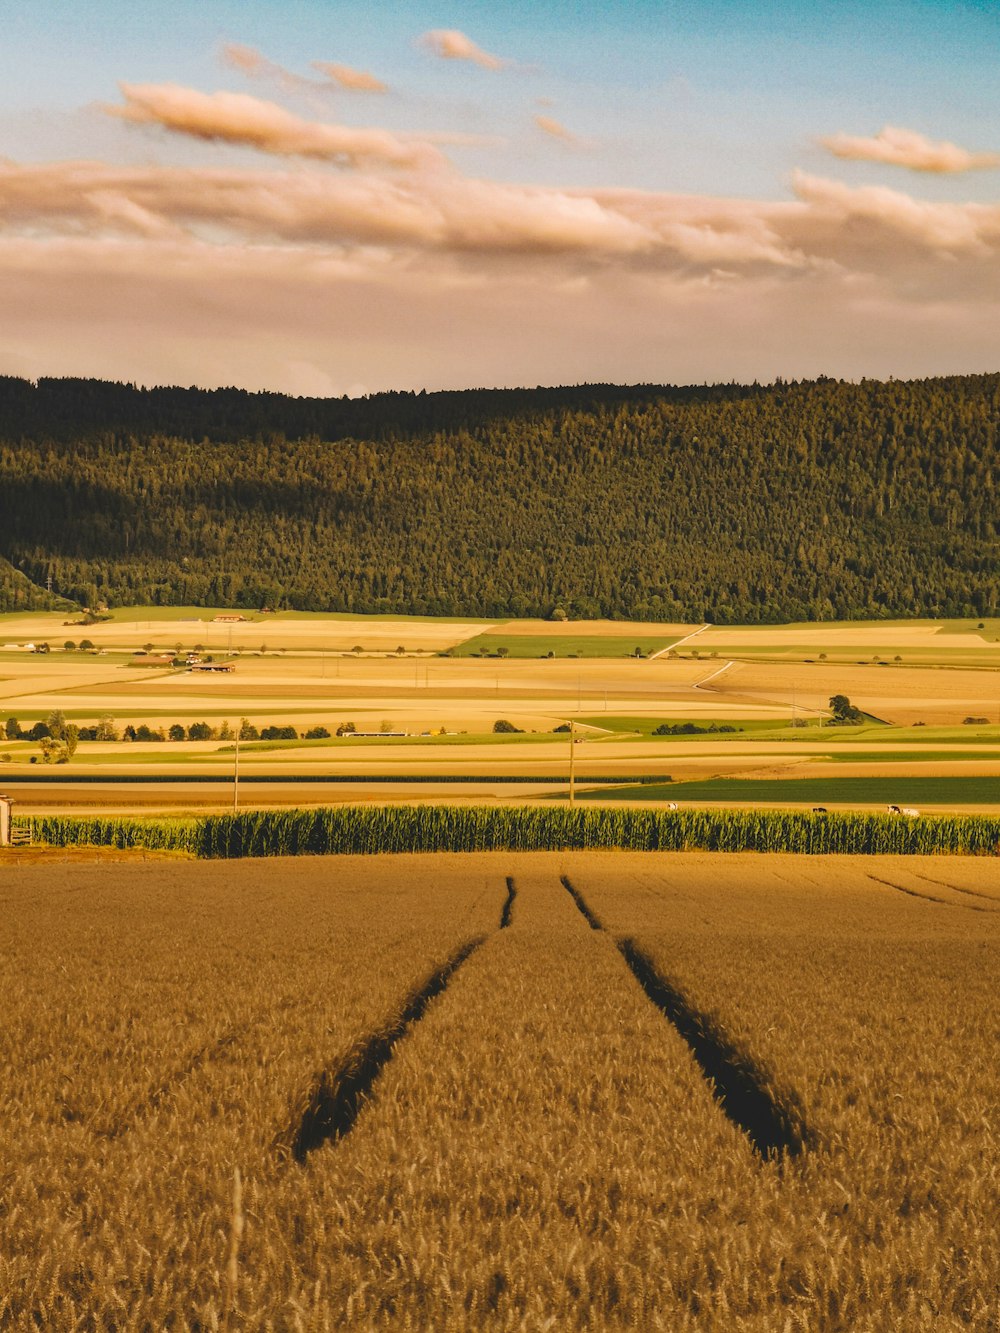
[
  {"x": 958, "y": 754},
  {"x": 818, "y": 791},
  {"x": 561, "y": 645}
]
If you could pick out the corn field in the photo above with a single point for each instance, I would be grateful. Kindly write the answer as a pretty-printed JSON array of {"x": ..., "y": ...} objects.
[{"x": 444, "y": 828}]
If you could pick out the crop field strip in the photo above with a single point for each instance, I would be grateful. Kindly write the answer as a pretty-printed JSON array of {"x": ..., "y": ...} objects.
[
  {"x": 521, "y": 1112},
  {"x": 445, "y": 828}
]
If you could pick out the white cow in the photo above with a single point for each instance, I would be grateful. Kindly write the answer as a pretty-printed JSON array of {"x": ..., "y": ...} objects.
[{"x": 903, "y": 810}]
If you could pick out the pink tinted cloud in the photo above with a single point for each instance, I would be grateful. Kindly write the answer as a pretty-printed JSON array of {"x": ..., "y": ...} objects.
[
  {"x": 305, "y": 322},
  {"x": 238, "y": 119},
  {"x": 450, "y": 44},
  {"x": 353, "y": 80},
  {"x": 829, "y": 225},
  {"x": 892, "y": 217},
  {"x": 304, "y": 268},
  {"x": 555, "y": 129},
  {"x": 906, "y": 148}
]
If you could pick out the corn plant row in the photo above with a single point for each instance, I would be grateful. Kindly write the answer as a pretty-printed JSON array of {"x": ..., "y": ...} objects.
[
  {"x": 443, "y": 828},
  {"x": 166, "y": 835}
]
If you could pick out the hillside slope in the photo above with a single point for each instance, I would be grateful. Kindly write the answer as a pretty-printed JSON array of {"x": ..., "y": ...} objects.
[{"x": 728, "y": 503}]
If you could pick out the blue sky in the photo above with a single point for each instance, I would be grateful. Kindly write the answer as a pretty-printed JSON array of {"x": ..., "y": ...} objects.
[
  {"x": 717, "y": 101},
  {"x": 718, "y": 95}
]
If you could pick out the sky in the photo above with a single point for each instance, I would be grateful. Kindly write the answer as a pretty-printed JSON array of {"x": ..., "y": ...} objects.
[{"x": 325, "y": 198}]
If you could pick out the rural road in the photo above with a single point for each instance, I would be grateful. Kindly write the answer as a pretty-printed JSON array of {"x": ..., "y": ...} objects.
[{"x": 687, "y": 638}]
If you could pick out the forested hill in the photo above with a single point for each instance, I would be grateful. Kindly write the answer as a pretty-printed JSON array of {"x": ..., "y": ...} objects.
[{"x": 726, "y": 502}]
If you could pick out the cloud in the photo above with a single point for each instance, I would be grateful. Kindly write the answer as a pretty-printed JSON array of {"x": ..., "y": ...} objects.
[
  {"x": 277, "y": 317},
  {"x": 553, "y": 127},
  {"x": 829, "y": 227},
  {"x": 257, "y": 66},
  {"x": 875, "y": 216},
  {"x": 249, "y": 61},
  {"x": 238, "y": 119},
  {"x": 424, "y": 277},
  {"x": 354, "y": 80},
  {"x": 335, "y": 77},
  {"x": 450, "y": 44},
  {"x": 906, "y": 148}
]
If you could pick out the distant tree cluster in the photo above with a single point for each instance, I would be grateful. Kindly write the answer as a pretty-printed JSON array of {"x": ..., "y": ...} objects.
[
  {"x": 843, "y": 712},
  {"x": 726, "y": 503},
  {"x": 693, "y": 729}
]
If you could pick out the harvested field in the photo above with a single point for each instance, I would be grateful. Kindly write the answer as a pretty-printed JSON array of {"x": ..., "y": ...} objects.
[
  {"x": 164, "y": 627},
  {"x": 901, "y": 695},
  {"x": 757, "y": 713},
  {"x": 537, "y": 1143}
]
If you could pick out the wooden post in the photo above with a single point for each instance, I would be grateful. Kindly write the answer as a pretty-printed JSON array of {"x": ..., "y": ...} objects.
[{"x": 5, "y": 820}]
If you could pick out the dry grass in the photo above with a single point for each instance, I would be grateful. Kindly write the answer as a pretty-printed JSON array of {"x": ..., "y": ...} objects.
[{"x": 541, "y": 1151}]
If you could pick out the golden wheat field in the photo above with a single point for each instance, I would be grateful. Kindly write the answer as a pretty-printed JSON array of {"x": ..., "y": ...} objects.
[{"x": 500, "y": 1091}]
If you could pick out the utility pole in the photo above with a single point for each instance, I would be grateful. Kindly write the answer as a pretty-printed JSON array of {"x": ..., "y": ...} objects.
[
  {"x": 236, "y": 774},
  {"x": 572, "y": 762}
]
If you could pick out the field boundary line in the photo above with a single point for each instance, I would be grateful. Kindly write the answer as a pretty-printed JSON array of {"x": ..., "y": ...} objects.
[
  {"x": 700, "y": 684},
  {"x": 739, "y": 1088},
  {"x": 677, "y": 642}
]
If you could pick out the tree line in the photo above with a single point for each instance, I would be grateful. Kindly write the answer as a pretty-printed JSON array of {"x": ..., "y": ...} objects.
[{"x": 730, "y": 503}]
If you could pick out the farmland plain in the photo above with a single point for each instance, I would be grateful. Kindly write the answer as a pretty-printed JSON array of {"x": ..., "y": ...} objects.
[
  {"x": 201, "y": 1128},
  {"x": 428, "y": 693}
]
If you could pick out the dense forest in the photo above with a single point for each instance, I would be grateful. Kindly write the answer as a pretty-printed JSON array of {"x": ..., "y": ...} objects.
[{"x": 728, "y": 503}]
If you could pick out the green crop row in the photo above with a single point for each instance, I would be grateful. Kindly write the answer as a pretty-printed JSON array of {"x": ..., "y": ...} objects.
[{"x": 372, "y": 829}]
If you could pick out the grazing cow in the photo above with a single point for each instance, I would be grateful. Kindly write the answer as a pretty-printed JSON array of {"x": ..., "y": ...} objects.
[
  {"x": 893, "y": 810},
  {"x": 909, "y": 810},
  {"x": 671, "y": 805},
  {"x": 819, "y": 809}
]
